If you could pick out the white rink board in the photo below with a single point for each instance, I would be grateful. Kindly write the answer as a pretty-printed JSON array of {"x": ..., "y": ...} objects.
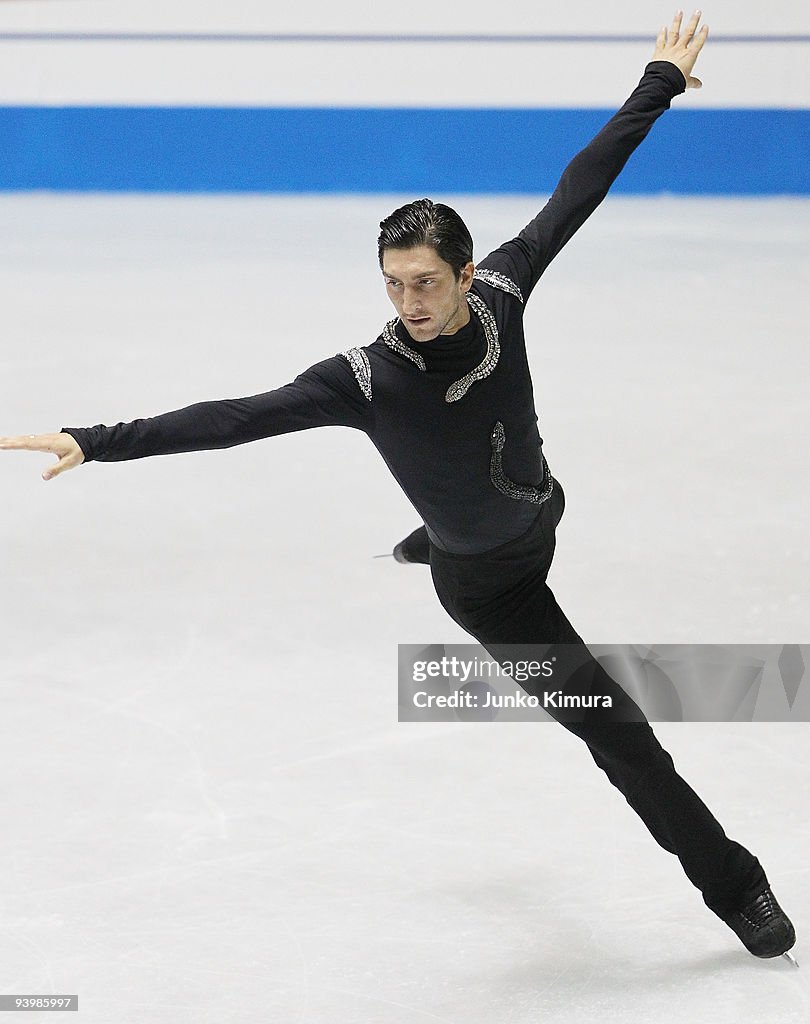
[{"x": 263, "y": 73}]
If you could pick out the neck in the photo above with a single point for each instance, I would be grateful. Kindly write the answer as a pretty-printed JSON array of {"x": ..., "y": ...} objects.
[{"x": 459, "y": 319}]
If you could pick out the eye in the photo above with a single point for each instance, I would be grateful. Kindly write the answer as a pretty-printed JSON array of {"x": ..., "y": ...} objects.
[{"x": 427, "y": 280}]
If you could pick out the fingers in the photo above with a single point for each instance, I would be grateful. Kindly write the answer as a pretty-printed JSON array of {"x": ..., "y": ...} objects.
[
  {"x": 689, "y": 35},
  {"x": 689, "y": 31},
  {"x": 68, "y": 460},
  {"x": 68, "y": 452},
  {"x": 60, "y": 467},
  {"x": 57, "y": 443},
  {"x": 700, "y": 39},
  {"x": 689, "y": 38},
  {"x": 675, "y": 29},
  {"x": 672, "y": 36},
  {"x": 19, "y": 442}
]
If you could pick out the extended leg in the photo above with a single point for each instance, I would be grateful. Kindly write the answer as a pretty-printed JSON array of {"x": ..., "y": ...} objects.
[
  {"x": 622, "y": 743},
  {"x": 731, "y": 880},
  {"x": 502, "y": 599}
]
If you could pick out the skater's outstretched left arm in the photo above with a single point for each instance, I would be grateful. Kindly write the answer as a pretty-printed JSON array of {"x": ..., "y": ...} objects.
[{"x": 588, "y": 177}]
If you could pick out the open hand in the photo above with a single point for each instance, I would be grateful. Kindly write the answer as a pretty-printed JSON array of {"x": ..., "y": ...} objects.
[
  {"x": 63, "y": 445},
  {"x": 682, "y": 50}
]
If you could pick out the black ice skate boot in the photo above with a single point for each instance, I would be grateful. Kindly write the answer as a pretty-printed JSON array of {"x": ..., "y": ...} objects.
[
  {"x": 415, "y": 548},
  {"x": 762, "y": 926}
]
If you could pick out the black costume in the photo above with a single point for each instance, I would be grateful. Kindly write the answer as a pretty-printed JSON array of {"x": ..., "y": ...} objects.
[{"x": 454, "y": 420}]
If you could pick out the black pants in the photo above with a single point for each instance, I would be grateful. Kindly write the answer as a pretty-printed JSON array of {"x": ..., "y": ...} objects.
[{"x": 502, "y": 599}]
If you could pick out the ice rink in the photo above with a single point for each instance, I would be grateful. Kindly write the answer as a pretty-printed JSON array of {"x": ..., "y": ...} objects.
[{"x": 210, "y": 813}]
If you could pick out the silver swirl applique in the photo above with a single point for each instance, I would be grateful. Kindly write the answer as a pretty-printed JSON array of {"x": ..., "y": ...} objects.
[
  {"x": 521, "y": 492},
  {"x": 361, "y": 368},
  {"x": 393, "y": 342},
  {"x": 458, "y": 389},
  {"x": 495, "y": 279}
]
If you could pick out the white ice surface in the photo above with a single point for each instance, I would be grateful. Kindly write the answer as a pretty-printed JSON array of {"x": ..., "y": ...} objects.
[{"x": 210, "y": 813}]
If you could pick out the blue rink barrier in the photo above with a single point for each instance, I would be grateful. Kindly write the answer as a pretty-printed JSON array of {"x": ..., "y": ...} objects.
[{"x": 256, "y": 149}]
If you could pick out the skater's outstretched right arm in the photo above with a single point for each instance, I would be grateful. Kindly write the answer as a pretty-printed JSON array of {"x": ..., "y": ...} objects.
[{"x": 326, "y": 394}]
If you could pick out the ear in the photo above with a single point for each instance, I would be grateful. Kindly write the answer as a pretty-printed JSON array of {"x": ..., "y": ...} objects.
[{"x": 466, "y": 279}]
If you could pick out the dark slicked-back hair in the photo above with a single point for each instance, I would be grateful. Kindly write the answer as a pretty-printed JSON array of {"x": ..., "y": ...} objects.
[{"x": 427, "y": 223}]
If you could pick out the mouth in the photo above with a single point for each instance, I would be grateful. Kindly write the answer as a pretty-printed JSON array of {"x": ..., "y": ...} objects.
[{"x": 417, "y": 320}]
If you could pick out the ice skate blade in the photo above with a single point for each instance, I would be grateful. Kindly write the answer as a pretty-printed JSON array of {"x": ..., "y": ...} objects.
[{"x": 789, "y": 956}]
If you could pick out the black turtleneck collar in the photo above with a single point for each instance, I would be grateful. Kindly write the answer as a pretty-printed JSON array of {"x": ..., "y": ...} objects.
[{"x": 449, "y": 352}]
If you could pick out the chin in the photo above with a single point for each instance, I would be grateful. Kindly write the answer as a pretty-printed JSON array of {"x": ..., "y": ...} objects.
[{"x": 422, "y": 337}]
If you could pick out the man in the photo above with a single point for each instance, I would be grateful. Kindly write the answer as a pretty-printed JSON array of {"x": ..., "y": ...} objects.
[{"x": 445, "y": 395}]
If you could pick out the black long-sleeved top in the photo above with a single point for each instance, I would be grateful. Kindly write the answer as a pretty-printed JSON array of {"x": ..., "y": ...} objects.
[{"x": 453, "y": 418}]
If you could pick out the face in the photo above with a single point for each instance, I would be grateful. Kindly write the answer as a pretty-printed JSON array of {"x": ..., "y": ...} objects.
[{"x": 426, "y": 294}]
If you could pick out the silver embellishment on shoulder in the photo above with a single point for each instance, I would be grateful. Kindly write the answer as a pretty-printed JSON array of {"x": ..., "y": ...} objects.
[
  {"x": 495, "y": 279},
  {"x": 458, "y": 389},
  {"x": 522, "y": 492},
  {"x": 361, "y": 367},
  {"x": 393, "y": 342}
]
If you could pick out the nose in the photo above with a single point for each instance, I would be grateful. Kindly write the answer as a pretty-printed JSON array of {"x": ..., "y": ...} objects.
[{"x": 410, "y": 303}]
